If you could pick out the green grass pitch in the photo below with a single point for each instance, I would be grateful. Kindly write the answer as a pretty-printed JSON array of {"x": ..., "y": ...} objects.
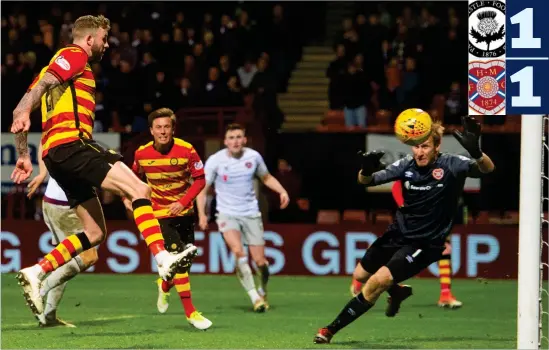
[{"x": 119, "y": 311}]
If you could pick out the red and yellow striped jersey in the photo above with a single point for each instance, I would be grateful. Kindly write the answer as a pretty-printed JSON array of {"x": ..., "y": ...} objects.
[
  {"x": 168, "y": 175},
  {"x": 60, "y": 122}
]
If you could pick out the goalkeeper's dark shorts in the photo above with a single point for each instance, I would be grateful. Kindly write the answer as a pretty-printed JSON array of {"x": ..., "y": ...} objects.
[
  {"x": 177, "y": 232},
  {"x": 404, "y": 259}
]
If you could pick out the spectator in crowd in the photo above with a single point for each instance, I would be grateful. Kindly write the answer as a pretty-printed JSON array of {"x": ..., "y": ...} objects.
[
  {"x": 215, "y": 91},
  {"x": 407, "y": 92},
  {"x": 186, "y": 96},
  {"x": 234, "y": 97},
  {"x": 335, "y": 73},
  {"x": 246, "y": 73},
  {"x": 454, "y": 108},
  {"x": 225, "y": 69},
  {"x": 356, "y": 93}
]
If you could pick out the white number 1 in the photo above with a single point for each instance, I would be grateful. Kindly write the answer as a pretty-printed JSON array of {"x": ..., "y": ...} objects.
[
  {"x": 526, "y": 40},
  {"x": 526, "y": 98}
]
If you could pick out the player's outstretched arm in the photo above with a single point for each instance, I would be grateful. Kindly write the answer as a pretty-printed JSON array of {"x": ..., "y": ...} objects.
[
  {"x": 272, "y": 183},
  {"x": 370, "y": 163},
  {"x": 470, "y": 140},
  {"x": 485, "y": 164}
]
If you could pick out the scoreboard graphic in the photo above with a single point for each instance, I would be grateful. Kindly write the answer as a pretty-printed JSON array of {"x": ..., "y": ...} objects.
[{"x": 508, "y": 57}]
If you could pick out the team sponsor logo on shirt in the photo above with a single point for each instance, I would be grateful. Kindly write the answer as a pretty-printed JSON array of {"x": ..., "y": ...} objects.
[
  {"x": 198, "y": 165},
  {"x": 408, "y": 174},
  {"x": 62, "y": 62},
  {"x": 438, "y": 173},
  {"x": 409, "y": 186}
]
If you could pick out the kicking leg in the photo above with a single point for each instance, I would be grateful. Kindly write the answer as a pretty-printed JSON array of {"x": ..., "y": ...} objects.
[{"x": 121, "y": 180}]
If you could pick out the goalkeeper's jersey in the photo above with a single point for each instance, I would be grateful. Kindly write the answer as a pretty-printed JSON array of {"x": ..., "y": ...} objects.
[{"x": 430, "y": 193}]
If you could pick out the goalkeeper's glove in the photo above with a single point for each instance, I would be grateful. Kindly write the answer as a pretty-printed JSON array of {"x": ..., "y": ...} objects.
[
  {"x": 470, "y": 138},
  {"x": 370, "y": 162}
]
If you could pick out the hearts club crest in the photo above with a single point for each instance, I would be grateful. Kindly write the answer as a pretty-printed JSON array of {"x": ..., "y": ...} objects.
[{"x": 487, "y": 87}]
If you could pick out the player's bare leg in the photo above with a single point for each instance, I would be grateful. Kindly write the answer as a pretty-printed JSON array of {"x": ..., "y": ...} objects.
[
  {"x": 95, "y": 230},
  {"x": 258, "y": 256},
  {"x": 121, "y": 179},
  {"x": 447, "y": 299},
  {"x": 374, "y": 287},
  {"x": 243, "y": 269}
]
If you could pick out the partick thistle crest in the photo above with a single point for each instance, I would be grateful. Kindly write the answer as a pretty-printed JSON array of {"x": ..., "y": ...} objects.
[
  {"x": 487, "y": 29},
  {"x": 487, "y": 87}
]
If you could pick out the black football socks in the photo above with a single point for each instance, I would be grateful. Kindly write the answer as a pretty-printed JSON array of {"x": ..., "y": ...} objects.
[{"x": 353, "y": 310}]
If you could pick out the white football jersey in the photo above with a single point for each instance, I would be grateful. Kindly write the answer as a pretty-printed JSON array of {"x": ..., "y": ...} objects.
[{"x": 233, "y": 181}]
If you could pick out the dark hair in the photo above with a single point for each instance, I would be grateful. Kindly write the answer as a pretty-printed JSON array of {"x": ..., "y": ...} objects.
[
  {"x": 161, "y": 113},
  {"x": 235, "y": 126}
]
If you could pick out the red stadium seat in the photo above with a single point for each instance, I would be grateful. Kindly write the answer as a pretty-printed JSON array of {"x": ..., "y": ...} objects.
[
  {"x": 328, "y": 217},
  {"x": 334, "y": 117},
  {"x": 383, "y": 118},
  {"x": 381, "y": 216},
  {"x": 351, "y": 215}
]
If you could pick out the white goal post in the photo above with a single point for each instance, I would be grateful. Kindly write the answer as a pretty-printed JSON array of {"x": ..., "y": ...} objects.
[{"x": 530, "y": 243}]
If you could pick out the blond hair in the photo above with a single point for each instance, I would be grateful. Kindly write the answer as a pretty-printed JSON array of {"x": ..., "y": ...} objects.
[
  {"x": 437, "y": 130},
  {"x": 161, "y": 113},
  {"x": 86, "y": 24}
]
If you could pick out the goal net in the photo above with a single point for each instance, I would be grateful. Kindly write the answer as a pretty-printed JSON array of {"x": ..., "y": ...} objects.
[{"x": 533, "y": 234}]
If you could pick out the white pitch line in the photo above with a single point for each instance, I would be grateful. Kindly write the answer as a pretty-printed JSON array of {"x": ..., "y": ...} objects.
[{"x": 121, "y": 317}]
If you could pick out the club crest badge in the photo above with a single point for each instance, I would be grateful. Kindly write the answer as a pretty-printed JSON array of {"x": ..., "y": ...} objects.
[
  {"x": 487, "y": 87},
  {"x": 438, "y": 173},
  {"x": 487, "y": 28}
]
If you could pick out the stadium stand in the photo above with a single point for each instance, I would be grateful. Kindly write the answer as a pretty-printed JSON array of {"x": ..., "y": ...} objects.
[{"x": 262, "y": 65}]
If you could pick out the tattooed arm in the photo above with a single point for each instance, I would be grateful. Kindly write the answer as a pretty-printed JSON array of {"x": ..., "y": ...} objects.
[
  {"x": 31, "y": 100},
  {"x": 21, "y": 113}
]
